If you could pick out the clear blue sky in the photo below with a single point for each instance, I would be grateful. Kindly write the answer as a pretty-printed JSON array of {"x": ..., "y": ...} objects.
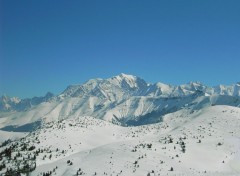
[{"x": 48, "y": 45}]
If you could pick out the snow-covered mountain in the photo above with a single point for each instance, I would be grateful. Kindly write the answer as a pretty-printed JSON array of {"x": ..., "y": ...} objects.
[
  {"x": 123, "y": 99},
  {"x": 123, "y": 126},
  {"x": 185, "y": 143},
  {"x": 16, "y": 104}
]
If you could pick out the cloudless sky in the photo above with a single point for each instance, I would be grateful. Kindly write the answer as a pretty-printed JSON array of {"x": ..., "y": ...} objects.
[{"x": 47, "y": 45}]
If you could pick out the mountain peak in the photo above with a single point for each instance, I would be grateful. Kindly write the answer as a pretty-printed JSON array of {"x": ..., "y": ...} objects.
[
  {"x": 126, "y": 76},
  {"x": 128, "y": 81},
  {"x": 195, "y": 83}
]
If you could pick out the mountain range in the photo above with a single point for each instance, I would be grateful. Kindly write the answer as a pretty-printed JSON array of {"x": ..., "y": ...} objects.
[
  {"x": 123, "y": 126},
  {"x": 123, "y": 99}
]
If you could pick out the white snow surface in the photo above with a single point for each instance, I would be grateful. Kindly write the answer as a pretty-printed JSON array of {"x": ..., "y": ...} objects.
[
  {"x": 185, "y": 130},
  {"x": 5, "y": 135},
  {"x": 211, "y": 137}
]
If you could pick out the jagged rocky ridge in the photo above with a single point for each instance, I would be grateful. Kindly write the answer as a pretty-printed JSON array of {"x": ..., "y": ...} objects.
[{"x": 123, "y": 99}]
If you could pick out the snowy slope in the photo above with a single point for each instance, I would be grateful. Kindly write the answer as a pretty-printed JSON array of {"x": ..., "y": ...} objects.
[
  {"x": 5, "y": 135},
  {"x": 196, "y": 142}
]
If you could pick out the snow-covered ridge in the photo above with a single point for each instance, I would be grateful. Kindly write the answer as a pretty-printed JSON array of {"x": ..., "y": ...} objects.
[
  {"x": 17, "y": 104},
  {"x": 123, "y": 99},
  {"x": 118, "y": 88}
]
